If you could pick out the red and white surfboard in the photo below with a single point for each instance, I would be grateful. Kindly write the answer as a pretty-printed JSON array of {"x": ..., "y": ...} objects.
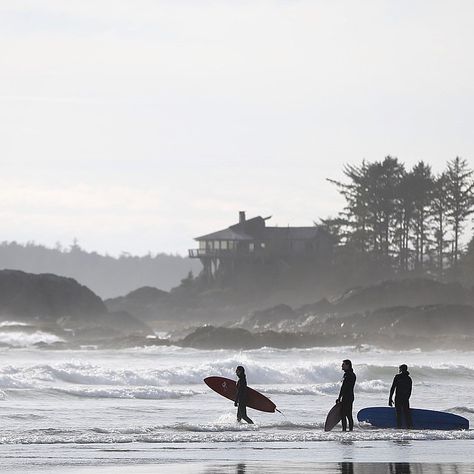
[{"x": 228, "y": 389}]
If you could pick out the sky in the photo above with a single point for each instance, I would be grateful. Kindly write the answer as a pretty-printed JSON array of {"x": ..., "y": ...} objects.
[{"x": 137, "y": 125}]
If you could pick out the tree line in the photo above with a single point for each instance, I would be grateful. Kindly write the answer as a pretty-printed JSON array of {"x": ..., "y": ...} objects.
[{"x": 405, "y": 219}]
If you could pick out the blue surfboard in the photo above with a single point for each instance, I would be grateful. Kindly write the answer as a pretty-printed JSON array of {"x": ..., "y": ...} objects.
[{"x": 385, "y": 417}]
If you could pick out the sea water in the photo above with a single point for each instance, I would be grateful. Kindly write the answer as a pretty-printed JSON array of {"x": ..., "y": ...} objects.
[{"x": 91, "y": 410}]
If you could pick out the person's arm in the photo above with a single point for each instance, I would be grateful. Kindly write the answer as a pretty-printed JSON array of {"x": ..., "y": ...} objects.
[
  {"x": 236, "y": 401},
  {"x": 241, "y": 386},
  {"x": 392, "y": 389},
  {"x": 410, "y": 387},
  {"x": 343, "y": 389}
]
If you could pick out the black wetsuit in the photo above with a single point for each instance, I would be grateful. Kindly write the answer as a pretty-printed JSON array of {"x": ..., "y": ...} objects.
[
  {"x": 346, "y": 395},
  {"x": 402, "y": 385},
  {"x": 241, "y": 399}
]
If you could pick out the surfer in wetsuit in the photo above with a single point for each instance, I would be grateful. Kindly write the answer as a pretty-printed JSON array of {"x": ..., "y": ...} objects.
[
  {"x": 346, "y": 395},
  {"x": 402, "y": 385},
  {"x": 241, "y": 398}
]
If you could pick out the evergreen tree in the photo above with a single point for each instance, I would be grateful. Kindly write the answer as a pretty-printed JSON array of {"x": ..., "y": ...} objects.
[
  {"x": 406, "y": 210},
  {"x": 372, "y": 205},
  {"x": 400, "y": 219},
  {"x": 422, "y": 189},
  {"x": 460, "y": 199},
  {"x": 439, "y": 210},
  {"x": 353, "y": 219}
]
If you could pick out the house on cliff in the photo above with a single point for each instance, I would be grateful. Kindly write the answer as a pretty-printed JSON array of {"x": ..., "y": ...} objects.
[{"x": 251, "y": 241}]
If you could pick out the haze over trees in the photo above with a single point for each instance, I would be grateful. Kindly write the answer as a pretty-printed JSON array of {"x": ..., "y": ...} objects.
[
  {"x": 396, "y": 222},
  {"x": 403, "y": 220},
  {"x": 105, "y": 275},
  {"x": 400, "y": 271}
]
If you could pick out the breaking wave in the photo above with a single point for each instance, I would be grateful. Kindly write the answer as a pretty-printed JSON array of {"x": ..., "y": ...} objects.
[
  {"x": 301, "y": 378},
  {"x": 221, "y": 434},
  {"x": 146, "y": 393},
  {"x": 368, "y": 386},
  {"x": 4, "y": 324},
  {"x": 27, "y": 339}
]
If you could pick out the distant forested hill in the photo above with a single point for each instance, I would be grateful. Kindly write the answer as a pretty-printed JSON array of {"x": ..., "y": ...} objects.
[{"x": 106, "y": 276}]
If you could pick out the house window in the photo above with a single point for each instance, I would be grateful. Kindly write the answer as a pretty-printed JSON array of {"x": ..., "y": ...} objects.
[
  {"x": 251, "y": 246},
  {"x": 231, "y": 244},
  {"x": 223, "y": 244}
]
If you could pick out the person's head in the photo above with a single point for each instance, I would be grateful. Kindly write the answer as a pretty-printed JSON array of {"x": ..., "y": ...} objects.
[
  {"x": 240, "y": 371},
  {"x": 346, "y": 365},
  {"x": 403, "y": 368}
]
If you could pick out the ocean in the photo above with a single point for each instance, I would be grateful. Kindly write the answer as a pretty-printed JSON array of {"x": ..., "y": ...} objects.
[{"x": 148, "y": 410}]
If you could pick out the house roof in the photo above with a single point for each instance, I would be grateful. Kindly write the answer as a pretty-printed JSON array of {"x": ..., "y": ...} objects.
[
  {"x": 254, "y": 229},
  {"x": 226, "y": 234},
  {"x": 292, "y": 233}
]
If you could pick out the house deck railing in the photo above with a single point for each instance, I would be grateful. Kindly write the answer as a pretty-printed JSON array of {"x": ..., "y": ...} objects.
[
  {"x": 226, "y": 253},
  {"x": 199, "y": 253}
]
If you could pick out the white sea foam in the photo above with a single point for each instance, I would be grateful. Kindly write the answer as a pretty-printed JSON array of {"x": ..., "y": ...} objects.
[
  {"x": 302, "y": 378},
  {"x": 242, "y": 433},
  {"x": 373, "y": 386},
  {"x": 299, "y": 389},
  {"x": 80, "y": 372},
  {"x": 329, "y": 388},
  {"x": 12, "y": 377},
  {"x": 12, "y": 323},
  {"x": 25, "y": 339},
  {"x": 148, "y": 393}
]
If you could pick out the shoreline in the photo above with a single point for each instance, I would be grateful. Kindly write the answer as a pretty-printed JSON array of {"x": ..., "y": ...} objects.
[
  {"x": 256, "y": 467},
  {"x": 342, "y": 457}
]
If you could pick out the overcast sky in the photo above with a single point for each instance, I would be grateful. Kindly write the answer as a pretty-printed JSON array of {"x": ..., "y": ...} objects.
[{"x": 136, "y": 125}]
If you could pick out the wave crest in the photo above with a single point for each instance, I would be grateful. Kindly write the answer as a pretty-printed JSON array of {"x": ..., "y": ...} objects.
[{"x": 147, "y": 393}]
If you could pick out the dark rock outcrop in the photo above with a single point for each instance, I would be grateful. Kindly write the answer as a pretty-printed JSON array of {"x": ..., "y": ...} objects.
[
  {"x": 386, "y": 300},
  {"x": 46, "y": 296},
  {"x": 211, "y": 337},
  {"x": 268, "y": 318},
  {"x": 145, "y": 303},
  {"x": 415, "y": 312},
  {"x": 124, "y": 322},
  {"x": 61, "y": 306},
  {"x": 404, "y": 292},
  {"x": 425, "y": 321}
]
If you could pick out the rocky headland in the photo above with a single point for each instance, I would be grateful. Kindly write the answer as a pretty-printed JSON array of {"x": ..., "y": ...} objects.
[
  {"x": 405, "y": 313},
  {"x": 60, "y": 307}
]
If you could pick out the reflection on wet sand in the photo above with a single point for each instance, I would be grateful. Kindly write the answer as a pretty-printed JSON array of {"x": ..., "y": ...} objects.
[
  {"x": 347, "y": 467},
  {"x": 338, "y": 468},
  {"x": 400, "y": 468}
]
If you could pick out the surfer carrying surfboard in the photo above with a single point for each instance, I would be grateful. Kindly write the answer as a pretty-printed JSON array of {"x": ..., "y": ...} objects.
[
  {"x": 402, "y": 385},
  {"x": 241, "y": 397},
  {"x": 346, "y": 395}
]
